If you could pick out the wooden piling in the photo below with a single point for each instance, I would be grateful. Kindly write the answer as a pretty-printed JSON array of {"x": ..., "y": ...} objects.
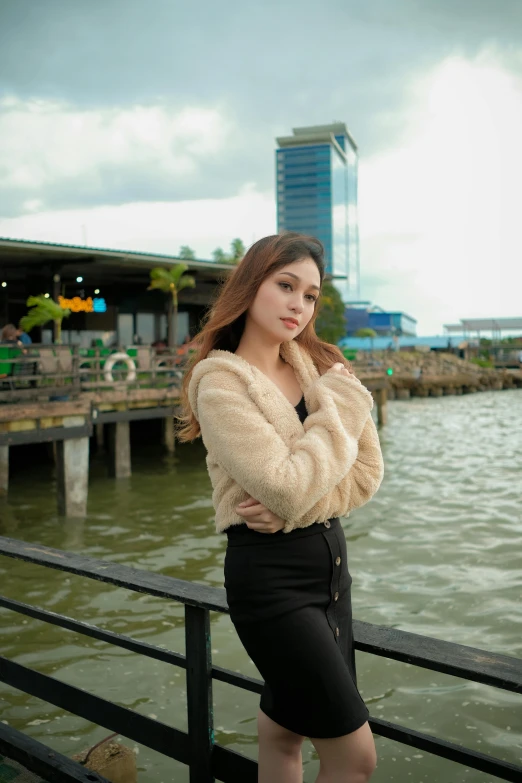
[
  {"x": 169, "y": 438},
  {"x": 4, "y": 470},
  {"x": 99, "y": 429},
  {"x": 119, "y": 449},
  {"x": 72, "y": 471}
]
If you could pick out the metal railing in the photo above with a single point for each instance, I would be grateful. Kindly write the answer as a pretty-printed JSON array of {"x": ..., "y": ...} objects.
[
  {"x": 196, "y": 748},
  {"x": 35, "y": 371}
]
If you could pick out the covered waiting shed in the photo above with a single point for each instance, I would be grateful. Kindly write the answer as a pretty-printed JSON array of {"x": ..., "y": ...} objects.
[{"x": 477, "y": 325}]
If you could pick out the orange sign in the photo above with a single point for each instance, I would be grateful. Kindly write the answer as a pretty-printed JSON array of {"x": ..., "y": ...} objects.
[{"x": 77, "y": 305}]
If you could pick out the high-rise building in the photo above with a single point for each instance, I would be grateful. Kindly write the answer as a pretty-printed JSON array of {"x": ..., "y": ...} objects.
[{"x": 316, "y": 175}]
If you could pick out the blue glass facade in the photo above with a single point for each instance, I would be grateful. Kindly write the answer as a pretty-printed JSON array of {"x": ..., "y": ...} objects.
[
  {"x": 316, "y": 174},
  {"x": 383, "y": 323}
]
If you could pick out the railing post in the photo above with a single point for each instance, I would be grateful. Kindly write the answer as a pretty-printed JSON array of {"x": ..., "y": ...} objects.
[
  {"x": 382, "y": 408},
  {"x": 200, "y": 707}
]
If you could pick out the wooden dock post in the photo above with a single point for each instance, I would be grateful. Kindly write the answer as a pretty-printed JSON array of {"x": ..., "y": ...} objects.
[
  {"x": 99, "y": 437},
  {"x": 72, "y": 471},
  {"x": 119, "y": 449},
  {"x": 4, "y": 470},
  {"x": 381, "y": 397},
  {"x": 169, "y": 438}
]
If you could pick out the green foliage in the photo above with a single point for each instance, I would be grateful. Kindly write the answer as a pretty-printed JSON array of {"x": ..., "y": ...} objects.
[
  {"x": 219, "y": 256},
  {"x": 187, "y": 253},
  {"x": 171, "y": 281},
  {"x": 237, "y": 251},
  {"x": 42, "y": 310},
  {"x": 482, "y": 362},
  {"x": 330, "y": 325},
  {"x": 366, "y": 332}
]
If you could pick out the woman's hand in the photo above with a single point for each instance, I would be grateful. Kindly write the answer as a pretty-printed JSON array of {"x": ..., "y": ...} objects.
[
  {"x": 258, "y": 517},
  {"x": 340, "y": 368}
]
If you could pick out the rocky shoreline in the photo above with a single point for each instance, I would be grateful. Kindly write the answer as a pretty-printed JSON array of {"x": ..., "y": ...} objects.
[{"x": 435, "y": 375}]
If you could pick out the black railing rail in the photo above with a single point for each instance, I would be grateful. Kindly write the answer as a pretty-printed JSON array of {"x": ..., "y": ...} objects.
[{"x": 206, "y": 759}]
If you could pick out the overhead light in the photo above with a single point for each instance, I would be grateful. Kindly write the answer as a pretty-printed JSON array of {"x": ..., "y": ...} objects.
[
  {"x": 79, "y": 279},
  {"x": 46, "y": 296},
  {"x": 4, "y": 285},
  {"x": 96, "y": 290}
]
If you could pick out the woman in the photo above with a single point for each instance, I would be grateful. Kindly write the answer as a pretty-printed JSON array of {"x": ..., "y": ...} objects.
[{"x": 291, "y": 447}]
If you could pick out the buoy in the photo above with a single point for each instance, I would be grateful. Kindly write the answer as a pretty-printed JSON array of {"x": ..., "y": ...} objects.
[{"x": 115, "y": 358}]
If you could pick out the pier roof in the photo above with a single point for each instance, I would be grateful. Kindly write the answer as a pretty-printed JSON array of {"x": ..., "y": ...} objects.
[
  {"x": 29, "y": 251},
  {"x": 484, "y": 325}
]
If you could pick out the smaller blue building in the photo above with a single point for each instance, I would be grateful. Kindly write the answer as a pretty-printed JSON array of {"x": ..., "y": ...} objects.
[{"x": 362, "y": 315}]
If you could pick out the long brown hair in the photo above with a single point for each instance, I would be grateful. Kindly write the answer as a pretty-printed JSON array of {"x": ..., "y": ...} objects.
[{"x": 225, "y": 321}]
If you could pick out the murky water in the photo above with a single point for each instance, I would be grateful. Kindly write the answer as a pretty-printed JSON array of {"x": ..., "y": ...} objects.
[{"x": 438, "y": 552}]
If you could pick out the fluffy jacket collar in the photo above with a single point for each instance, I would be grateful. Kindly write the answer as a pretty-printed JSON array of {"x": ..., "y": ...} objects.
[{"x": 262, "y": 390}]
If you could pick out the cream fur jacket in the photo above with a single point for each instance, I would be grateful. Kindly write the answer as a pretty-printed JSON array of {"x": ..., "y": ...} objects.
[{"x": 256, "y": 444}]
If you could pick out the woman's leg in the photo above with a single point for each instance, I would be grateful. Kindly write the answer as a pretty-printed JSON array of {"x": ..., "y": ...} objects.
[
  {"x": 280, "y": 759},
  {"x": 348, "y": 759}
]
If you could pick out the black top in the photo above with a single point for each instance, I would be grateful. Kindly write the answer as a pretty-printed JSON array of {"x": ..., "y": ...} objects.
[{"x": 301, "y": 409}]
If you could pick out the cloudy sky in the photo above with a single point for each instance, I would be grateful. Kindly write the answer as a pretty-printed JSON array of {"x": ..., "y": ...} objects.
[{"x": 147, "y": 124}]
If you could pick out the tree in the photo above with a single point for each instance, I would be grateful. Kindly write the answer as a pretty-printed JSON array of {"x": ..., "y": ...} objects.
[
  {"x": 367, "y": 332},
  {"x": 187, "y": 253},
  {"x": 44, "y": 309},
  {"x": 171, "y": 281},
  {"x": 237, "y": 251},
  {"x": 330, "y": 325},
  {"x": 219, "y": 256}
]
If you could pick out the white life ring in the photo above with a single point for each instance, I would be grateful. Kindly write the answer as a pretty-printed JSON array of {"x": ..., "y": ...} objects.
[{"x": 115, "y": 358}]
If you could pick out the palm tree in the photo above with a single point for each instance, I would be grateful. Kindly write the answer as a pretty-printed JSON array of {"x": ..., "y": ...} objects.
[
  {"x": 171, "y": 281},
  {"x": 44, "y": 309}
]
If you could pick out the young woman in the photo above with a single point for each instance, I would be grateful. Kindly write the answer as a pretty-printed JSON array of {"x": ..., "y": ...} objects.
[{"x": 291, "y": 447}]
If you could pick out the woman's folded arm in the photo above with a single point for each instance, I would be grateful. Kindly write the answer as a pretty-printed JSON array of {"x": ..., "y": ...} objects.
[{"x": 288, "y": 480}]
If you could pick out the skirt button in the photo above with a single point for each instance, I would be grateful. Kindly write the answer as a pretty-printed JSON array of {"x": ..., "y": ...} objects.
[
  {"x": 337, "y": 632},
  {"x": 337, "y": 561},
  {"x": 336, "y": 597},
  {"x": 327, "y": 524}
]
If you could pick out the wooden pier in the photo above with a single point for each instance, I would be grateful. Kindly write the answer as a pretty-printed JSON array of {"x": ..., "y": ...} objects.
[
  {"x": 71, "y": 425},
  {"x": 67, "y": 399}
]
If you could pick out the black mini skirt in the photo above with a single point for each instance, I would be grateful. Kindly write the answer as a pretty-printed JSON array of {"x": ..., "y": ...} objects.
[{"x": 290, "y": 603}]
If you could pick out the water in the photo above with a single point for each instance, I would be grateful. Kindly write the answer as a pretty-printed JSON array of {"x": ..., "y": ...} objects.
[{"x": 437, "y": 552}]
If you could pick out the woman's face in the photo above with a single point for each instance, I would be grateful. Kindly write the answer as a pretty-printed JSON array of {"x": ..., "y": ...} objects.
[{"x": 285, "y": 301}]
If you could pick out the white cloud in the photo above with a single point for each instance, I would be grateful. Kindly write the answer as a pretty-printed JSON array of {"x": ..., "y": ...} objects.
[
  {"x": 440, "y": 214},
  {"x": 154, "y": 227},
  {"x": 45, "y": 144}
]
